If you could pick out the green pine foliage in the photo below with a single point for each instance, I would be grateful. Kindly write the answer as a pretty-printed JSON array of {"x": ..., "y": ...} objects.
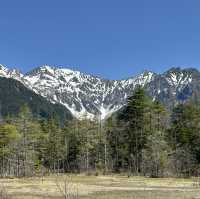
[
  {"x": 13, "y": 95},
  {"x": 143, "y": 138},
  {"x": 137, "y": 123}
]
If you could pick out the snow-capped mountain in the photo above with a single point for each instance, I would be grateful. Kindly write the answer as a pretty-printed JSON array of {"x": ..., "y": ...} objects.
[
  {"x": 90, "y": 96},
  {"x": 13, "y": 73},
  {"x": 84, "y": 95}
]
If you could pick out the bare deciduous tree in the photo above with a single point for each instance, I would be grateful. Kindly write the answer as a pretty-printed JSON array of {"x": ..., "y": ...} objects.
[{"x": 66, "y": 187}]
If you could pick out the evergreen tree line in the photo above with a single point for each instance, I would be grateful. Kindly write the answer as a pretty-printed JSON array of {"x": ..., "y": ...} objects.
[{"x": 142, "y": 139}]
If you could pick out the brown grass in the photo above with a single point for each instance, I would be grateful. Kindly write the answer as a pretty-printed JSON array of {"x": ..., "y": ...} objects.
[{"x": 101, "y": 187}]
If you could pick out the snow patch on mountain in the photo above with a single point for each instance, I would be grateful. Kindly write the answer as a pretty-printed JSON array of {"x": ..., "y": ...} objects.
[
  {"x": 84, "y": 95},
  {"x": 13, "y": 73},
  {"x": 90, "y": 96}
]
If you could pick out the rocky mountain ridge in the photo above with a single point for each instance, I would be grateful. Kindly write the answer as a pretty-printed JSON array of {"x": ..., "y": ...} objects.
[{"x": 90, "y": 96}]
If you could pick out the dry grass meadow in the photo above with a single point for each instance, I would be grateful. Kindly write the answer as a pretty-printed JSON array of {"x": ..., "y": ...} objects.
[{"x": 100, "y": 187}]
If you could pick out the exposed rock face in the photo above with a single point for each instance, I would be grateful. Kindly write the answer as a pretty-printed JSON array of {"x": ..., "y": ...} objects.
[{"x": 87, "y": 95}]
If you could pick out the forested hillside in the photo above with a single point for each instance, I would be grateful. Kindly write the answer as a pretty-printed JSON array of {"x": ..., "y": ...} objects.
[
  {"x": 142, "y": 139},
  {"x": 13, "y": 95}
]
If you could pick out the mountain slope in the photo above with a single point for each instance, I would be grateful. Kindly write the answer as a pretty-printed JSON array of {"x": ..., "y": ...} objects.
[
  {"x": 83, "y": 95},
  {"x": 174, "y": 86},
  {"x": 14, "y": 94},
  {"x": 90, "y": 96}
]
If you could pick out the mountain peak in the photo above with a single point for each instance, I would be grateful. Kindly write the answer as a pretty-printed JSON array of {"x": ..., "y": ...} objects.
[
  {"x": 40, "y": 69},
  {"x": 4, "y": 71},
  {"x": 3, "y": 68},
  {"x": 147, "y": 72},
  {"x": 174, "y": 70},
  {"x": 177, "y": 70},
  {"x": 89, "y": 95},
  {"x": 51, "y": 70}
]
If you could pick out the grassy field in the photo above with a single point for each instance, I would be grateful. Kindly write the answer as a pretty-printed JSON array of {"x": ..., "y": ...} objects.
[{"x": 100, "y": 187}]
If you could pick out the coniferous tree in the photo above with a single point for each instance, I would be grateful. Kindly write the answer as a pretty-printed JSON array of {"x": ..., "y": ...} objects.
[
  {"x": 71, "y": 146},
  {"x": 137, "y": 127},
  {"x": 52, "y": 148},
  {"x": 155, "y": 153},
  {"x": 26, "y": 153},
  {"x": 8, "y": 136},
  {"x": 184, "y": 137}
]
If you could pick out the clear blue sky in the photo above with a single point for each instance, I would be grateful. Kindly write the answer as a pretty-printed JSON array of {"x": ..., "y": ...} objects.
[{"x": 110, "y": 38}]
